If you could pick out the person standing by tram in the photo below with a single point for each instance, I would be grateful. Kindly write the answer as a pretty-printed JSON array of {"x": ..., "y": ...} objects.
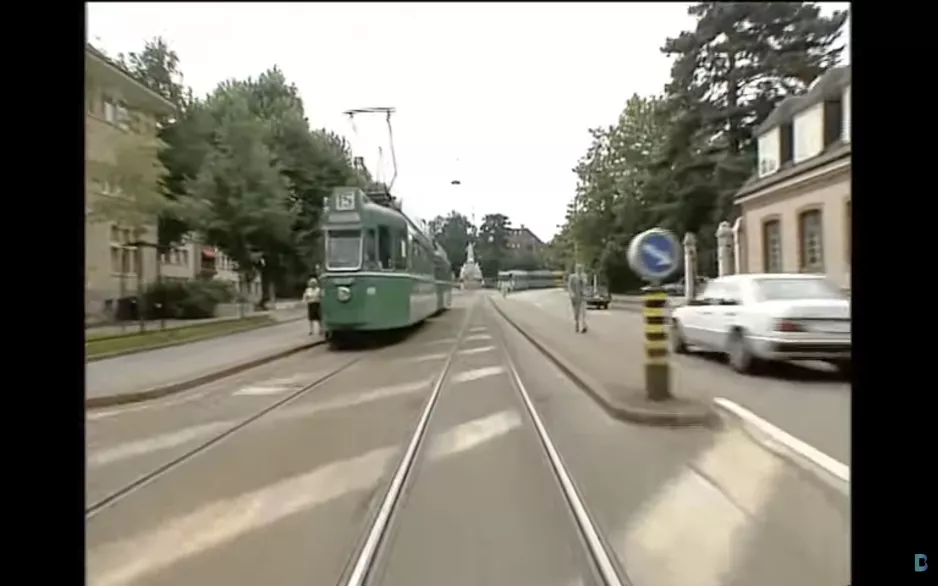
[
  {"x": 312, "y": 297},
  {"x": 577, "y": 288}
]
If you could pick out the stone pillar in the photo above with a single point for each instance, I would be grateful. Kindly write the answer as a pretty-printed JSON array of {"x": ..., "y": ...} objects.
[
  {"x": 738, "y": 261},
  {"x": 690, "y": 266},
  {"x": 724, "y": 249}
]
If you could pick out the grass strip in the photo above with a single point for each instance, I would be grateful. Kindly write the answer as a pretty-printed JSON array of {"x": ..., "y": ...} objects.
[{"x": 107, "y": 345}]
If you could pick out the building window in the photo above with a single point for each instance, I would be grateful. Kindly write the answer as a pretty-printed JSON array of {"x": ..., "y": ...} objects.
[
  {"x": 772, "y": 246},
  {"x": 123, "y": 257},
  {"x": 833, "y": 121},
  {"x": 116, "y": 113},
  {"x": 810, "y": 238},
  {"x": 185, "y": 258},
  {"x": 786, "y": 143}
]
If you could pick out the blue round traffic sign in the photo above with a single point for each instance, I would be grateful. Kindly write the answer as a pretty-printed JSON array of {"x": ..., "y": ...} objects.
[{"x": 655, "y": 254}]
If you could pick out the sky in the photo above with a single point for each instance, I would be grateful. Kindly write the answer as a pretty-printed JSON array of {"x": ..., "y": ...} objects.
[{"x": 497, "y": 95}]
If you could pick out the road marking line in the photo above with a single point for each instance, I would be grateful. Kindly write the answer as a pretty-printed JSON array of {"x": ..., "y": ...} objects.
[
  {"x": 815, "y": 456},
  {"x": 157, "y": 403},
  {"x": 471, "y": 375},
  {"x": 347, "y": 401},
  {"x": 122, "y": 562},
  {"x": 154, "y": 444},
  {"x": 177, "y": 438},
  {"x": 478, "y": 337},
  {"x": 691, "y": 533},
  {"x": 478, "y": 350},
  {"x": 481, "y": 329},
  {"x": 262, "y": 390},
  {"x": 125, "y": 561},
  {"x": 439, "y": 341},
  {"x": 426, "y": 357},
  {"x": 473, "y": 434}
]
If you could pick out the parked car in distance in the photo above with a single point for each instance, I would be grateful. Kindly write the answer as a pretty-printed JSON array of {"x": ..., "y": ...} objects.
[
  {"x": 677, "y": 288},
  {"x": 598, "y": 298},
  {"x": 755, "y": 318}
]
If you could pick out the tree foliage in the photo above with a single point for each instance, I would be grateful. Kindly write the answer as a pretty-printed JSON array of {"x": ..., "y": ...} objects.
[
  {"x": 245, "y": 169},
  {"x": 677, "y": 160},
  {"x": 453, "y": 233}
]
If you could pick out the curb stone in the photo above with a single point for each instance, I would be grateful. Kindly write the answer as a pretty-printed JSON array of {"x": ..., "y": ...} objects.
[
  {"x": 177, "y": 387},
  {"x": 833, "y": 473},
  {"x": 97, "y": 357},
  {"x": 702, "y": 414}
]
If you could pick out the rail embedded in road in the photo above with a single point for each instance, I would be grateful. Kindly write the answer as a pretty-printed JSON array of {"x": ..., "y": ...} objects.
[{"x": 115, "y": 496}]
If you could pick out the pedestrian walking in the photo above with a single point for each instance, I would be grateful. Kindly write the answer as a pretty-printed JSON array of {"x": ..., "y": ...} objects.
[
  {"x": 576, "y": 287},
  {"x": 312, "y": 297}
]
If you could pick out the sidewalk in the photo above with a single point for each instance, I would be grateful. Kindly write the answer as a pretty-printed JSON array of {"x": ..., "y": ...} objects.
[
  {"x": 613, "y": 373},
  {"x": 155, "y": 373}
]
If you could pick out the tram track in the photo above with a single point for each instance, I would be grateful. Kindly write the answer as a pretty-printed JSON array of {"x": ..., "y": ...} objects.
[
  {"x": 140, "y": 481},
  {"x": 375, "y": 519},
  {"x": 113, "y": 497},
  {"x": 375, "y": 548}
]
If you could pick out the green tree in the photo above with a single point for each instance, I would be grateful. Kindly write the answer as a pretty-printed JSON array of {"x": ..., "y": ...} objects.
[
  {"x": 728, "y": 74},
  {"x": 613, "y": 201},
  {"x": 492, "y": 244},
  {"x": 453, "y": 233},
  {"x": 240, "y": 199},
  {"x": 157, "y": 67}
]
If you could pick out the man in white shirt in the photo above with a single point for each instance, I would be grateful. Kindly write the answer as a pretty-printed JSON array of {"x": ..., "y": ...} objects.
[{"x": 577, "y": 288}]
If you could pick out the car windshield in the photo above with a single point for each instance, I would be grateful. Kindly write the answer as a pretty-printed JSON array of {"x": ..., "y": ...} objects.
[
  {"x": 343, "y": 249},
  {"x": 791, "y": 289}
]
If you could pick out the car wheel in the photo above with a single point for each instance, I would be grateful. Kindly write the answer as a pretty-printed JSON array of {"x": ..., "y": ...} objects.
[
  {"x": 739, "y": 355},
  {"x": 678, "y": 344}
]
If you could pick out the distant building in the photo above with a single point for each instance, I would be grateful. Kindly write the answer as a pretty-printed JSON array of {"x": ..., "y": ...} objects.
[
  {"x": 795, "y": 210},
  {"x": 524, "y": 240}
]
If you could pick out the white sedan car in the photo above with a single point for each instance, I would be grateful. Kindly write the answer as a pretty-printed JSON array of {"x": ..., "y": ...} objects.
[{"x": 767, "y": 317}]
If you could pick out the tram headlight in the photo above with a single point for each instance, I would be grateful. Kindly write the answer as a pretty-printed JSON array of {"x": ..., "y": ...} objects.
[{"x": 344, "y": 294}]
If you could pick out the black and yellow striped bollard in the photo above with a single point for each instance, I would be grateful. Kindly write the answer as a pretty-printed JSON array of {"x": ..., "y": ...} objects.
[{"x": 657, "y": 369}]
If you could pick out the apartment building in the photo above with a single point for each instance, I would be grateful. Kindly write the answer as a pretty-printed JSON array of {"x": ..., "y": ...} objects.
[
  {"x": 112, "y": 98},
  {"x": 795, "y": 210},
  {"x": 523, "y": 239}
]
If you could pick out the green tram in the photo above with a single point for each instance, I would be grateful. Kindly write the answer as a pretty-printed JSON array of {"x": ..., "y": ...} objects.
[
  {"x": 521, "y": 280},
  {"x": 381, "y": 271}
]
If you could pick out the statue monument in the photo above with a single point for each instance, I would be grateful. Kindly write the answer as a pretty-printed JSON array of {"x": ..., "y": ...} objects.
[{"x": 470, "y": 275}]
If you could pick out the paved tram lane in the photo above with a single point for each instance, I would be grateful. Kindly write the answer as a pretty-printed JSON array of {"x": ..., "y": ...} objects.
[
  {"x": 811, "y": 404},
  {"x": 284, "y": 500},
  {"x": 691, "y": 507},
  {"x": 482, "y": 505},
  {"x": 124, "y": 444}
]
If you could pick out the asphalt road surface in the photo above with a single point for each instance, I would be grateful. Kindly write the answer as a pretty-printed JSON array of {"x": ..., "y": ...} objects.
[
  {"x": 809, "y": 401},
  {"x": 288, "y": 499}
]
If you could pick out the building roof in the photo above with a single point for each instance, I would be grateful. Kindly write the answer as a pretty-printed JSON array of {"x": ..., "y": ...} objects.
[
  {"x": 153, "y": 99},
  {"x": 828, "y": 85},
  {"x": 525, "y": 231},
  {"x": 837, "y": 151}
]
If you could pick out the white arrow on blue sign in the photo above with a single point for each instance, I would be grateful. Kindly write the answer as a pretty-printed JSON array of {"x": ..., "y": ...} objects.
[{"x": 655, "y": 254}]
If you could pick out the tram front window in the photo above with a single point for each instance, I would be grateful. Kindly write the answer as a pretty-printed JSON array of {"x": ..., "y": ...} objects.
[{"x": 344, "y": 249}]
